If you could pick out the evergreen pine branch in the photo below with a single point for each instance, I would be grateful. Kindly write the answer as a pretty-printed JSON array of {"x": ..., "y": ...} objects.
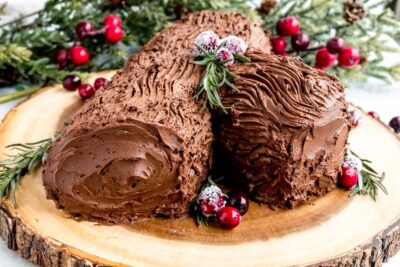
[{"x": 370, "y": 35}]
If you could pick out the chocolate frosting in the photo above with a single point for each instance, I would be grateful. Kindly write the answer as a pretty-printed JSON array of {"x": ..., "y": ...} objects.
[
  {"x": 142, "y": 146},
  {"x": 286, "y": 131}
]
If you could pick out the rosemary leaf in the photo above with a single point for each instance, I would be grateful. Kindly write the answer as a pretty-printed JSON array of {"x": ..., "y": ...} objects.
[{"x": 28, "y": 158}]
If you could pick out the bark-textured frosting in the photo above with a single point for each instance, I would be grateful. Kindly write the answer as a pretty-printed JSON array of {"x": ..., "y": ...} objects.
[
  {"x": 287, "y": 129},
  {"x": 179, "y": 37},
  {"x": 142, "y": 146}
]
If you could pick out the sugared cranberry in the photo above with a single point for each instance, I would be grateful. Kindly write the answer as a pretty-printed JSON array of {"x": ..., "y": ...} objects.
[
  {"x": 112, "y": 20},
  {"x": 100, "y": 82},
  {"x": 349, "y": 177},
  {"x": 114, "y": 34},
  {"x": 72, "y": 82},
  {"x": 84, "y": 28},
  {"x": 324, "y": 59},
  {"x": 210, "y": 200},
  {"x": 278, "y": 45},
  {"x": 228, "y": 217},
  {"x": 395, "y": 124},
  {"x": 300, "y": 41},
  {"x": 239, "y": 201},
  {"x": 288, "y": 26},
  {"x": 79, "y": 55},
  {"x": 355, "y": 117},
  {"x": 86, "y": 91},
  {"x": 373, "y": 114},
  {"x": 61, "y": 58},
  {"x": 334, "y": 45},
  {"x": 348, "y": 57}
]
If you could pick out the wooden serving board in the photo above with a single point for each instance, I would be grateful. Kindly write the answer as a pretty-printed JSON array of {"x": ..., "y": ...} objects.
[{"x": 332, "y": 230}]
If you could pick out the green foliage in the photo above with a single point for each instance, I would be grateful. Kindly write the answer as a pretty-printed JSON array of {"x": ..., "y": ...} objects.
[
  {"x": 54, "y": 27},
  {"x": 33, "y": 43},
  {"x": 323, "y": 19}
]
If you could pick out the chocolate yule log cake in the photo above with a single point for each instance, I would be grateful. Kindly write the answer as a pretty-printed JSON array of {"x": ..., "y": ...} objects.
[
  {"x": 142, "y": 146},
  {"x": 286, "y": 130}
]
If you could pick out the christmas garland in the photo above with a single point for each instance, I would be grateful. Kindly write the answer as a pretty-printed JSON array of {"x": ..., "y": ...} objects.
[{"x": 31, "y": 47}]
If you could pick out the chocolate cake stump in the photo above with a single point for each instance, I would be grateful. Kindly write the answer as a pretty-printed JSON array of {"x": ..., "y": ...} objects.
[{"x": 286, "y": 130}]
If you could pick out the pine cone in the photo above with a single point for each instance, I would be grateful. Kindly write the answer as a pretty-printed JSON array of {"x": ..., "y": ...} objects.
[
  {"x": 353, "y": 11},
  {"x": 267, "y": 6}
]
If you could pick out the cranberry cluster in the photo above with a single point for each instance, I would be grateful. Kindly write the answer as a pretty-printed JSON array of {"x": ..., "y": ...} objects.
[
  {"x": 78, "y": 55},
  {"x": 227, "y": 212},
  {"x": 335, "y": 50},
  {"x": 325, "y": 57},
  {"x": 356, "y": 116},
  {"x": 86, "y": 90}
]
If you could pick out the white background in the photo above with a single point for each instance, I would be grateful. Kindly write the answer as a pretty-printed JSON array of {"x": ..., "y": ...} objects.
[{"x": 374, "y": 95}]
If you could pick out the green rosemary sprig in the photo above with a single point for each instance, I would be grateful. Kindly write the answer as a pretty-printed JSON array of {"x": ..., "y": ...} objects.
[
  {"x": 215, "y": 76},
  {"x": 27, "y": 158},
  {"x": 369, "y": 181}
]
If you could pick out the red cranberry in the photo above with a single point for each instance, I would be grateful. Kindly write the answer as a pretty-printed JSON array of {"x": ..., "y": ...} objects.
[
  {"x": 79, "y": 55},
  {"x": 114, "y": 34},
  {"x": 300, "y": 41},
  {"x": 373, "y": 114},
  {"x": 349, "y": 177},
  {"x": 228, "y": 217},
  {"x": 210, "y": 200},
  {"x": 287, "y": 26},
  {"x": 355, "y": 117},
  {"x": 334, "y": 45},
  {"x": 72, "y": 82},
  {"x": 61, "y": 58},
  {"x": 112, "y": 20},
  {"x": 324, "y": 59},
  {"x": 395, "y": 124},
  {"x": 86, "y": 91},
  {"x": 84, "y": 28},
  {"x": 100, "y": 82},
  {"x": 278, "y": 45},
  {"x": 239, "y": 201},
  {"x": 348, "y": 57}
]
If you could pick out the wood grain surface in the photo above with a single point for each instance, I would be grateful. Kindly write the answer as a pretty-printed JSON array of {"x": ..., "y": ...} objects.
[{"x": 334, "y": 230}]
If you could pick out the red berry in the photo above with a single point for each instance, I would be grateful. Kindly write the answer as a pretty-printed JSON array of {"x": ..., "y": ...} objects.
[
  {"x": 239, "y": 201},
  {"x": 324, "y": 59},
  {"x": 348, "y": 57},
  {"x": 395, "y": 124},
  {"x": 61, "y": 58},
  {"x": 79, "y": 55},
  {"x": 355, "y": 117},
  {"x": 373, "y": 114},
  {"x": 278, "y": 45},
  {"x": 84, "y": 28},
  {"x": 100, "y": 82},
  {"x": 86, "y": 91},
  {"x": 114, "y": 34},
  {"x": 210, "y": 200},
  {"x": 71, "y": 82},
  {"x": 349, "y": 177},
  {"x": 334, "y": 45},
  {"x": 300, "y": 41},
  {"x": 112, "y": 20},
  {"x": 287, "y": 26},
  {"x": 228, "y": 217}
]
